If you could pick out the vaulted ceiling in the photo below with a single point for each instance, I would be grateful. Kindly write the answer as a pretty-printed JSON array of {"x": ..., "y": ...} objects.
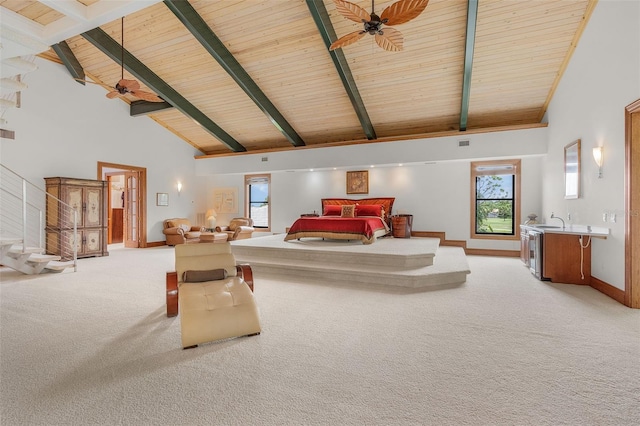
[{"x": 257, "y": 75}]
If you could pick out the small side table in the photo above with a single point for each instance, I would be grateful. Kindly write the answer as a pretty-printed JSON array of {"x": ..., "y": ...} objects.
[{"x": 401, "y": 225}]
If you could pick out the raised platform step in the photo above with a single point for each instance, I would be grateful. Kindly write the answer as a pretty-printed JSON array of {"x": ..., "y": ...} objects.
[
  {"x": 403, "y": 253},
  {"x": 412, "y": 263}
]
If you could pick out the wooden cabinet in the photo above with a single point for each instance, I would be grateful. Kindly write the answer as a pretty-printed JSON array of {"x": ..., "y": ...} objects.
[
  {"x": 565, "y": 257},
  {"x": 565, "y": 260},
  {"x": 87, "y": 199}
]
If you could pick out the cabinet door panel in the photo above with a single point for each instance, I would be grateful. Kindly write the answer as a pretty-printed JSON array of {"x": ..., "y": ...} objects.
[
  {"x": 93, "y": 205},
  {"x": 75, "y": 199},
  {"x": 92, "y": 241}
]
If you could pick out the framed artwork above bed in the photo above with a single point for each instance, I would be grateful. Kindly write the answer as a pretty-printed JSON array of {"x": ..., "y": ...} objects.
[{"x": 358, "y": 182}]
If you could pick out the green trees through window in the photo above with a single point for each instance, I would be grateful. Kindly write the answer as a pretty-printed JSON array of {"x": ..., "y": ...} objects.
[{"x": 495, "y": 198}]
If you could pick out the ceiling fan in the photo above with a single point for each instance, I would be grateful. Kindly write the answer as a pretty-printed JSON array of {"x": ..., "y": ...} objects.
[
  {"x": 388, "y": 38},
  {"x": 125, "y": 86}
]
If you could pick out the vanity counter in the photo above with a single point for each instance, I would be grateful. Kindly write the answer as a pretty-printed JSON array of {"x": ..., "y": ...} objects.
[{"x": 592, "y": 231}]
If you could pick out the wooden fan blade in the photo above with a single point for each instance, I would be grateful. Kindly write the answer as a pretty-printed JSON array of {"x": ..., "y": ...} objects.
[
  {"x": 347, "y": 40},
  {"x": 403, "y": 11},
  {"x": 352, "y": 11},
  {"x": 113, "y": 94},
  {"x": 130, "y": 85},
  {"x": 390, "y": 39},
  {"x": 146, "y": 96}
]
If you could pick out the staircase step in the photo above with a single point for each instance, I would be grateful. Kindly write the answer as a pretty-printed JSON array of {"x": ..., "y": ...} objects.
[
  {"x": 58, "y": 266},
  {"x": 17, "y": 249},
  {"x": 7, "y": 241},
  {"x": 42, "y": 258}
]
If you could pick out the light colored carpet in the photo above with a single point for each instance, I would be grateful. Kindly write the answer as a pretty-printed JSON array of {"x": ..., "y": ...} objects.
[{"x": 95, "y": 348}]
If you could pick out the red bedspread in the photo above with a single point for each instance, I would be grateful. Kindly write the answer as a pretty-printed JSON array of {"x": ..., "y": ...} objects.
[{"x": 366, "y": 229}]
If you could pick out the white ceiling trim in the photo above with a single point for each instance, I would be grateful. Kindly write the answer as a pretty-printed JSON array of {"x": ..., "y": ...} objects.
[{"x": 25, "y": 36}]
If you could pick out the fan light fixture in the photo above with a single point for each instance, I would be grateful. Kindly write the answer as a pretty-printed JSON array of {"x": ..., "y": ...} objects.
[
  {"x": 598, "y": 157},
  {"x": 387, "y": 38}
]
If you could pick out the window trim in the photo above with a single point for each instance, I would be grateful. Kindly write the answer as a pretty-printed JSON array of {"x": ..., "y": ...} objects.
[
  {"x": 247, "y": 198},
  {"x": 516, "y": 170}
]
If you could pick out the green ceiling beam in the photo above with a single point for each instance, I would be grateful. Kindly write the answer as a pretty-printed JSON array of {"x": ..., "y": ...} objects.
[
  {"x": 144, "y": 107},
  {"x": 472, "y": 16},
  {"x": 69, "y": 60},
  {"x": 323, "y": 22},
  {"x": 203, "y": 33},
  {"x": 113, "y": 50}
]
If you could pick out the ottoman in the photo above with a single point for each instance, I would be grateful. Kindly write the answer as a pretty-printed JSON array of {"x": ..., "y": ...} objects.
[{"x": 213, "y": 237}]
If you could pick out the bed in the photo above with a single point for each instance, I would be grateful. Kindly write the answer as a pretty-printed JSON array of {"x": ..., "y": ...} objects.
[{"x": 346, "y": 219}]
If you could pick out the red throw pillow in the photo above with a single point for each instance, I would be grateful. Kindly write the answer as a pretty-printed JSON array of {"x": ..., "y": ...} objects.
[
  {"x": 369, "y": 210},
  {"x": 331, "y": 210}
]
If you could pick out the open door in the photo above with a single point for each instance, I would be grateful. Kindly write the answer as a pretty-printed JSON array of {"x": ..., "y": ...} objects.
[
  {"x": 132, "y": 212},
  {"x": 133, "y": 190},
  {"x": 632, "y": 207}
]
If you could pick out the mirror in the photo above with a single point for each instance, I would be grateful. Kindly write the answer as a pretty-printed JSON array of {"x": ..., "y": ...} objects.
[{"x": 572, "y": 170}]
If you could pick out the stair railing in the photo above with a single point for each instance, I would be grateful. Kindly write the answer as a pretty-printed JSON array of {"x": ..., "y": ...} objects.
[{"x": 22, "y": 207}]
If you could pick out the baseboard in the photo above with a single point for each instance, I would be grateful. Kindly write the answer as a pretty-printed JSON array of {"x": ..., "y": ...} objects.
[
  {"x": 607, "y": 289},
  {"x": 156, "y": 243},
  {"x": 442, "y": 236},
  {"x": 492, "y": 252},
  {"x": 463, "y": 244}
]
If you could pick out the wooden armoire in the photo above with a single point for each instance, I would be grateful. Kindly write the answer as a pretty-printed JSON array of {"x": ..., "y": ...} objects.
[{"x": 89, "y": 199}]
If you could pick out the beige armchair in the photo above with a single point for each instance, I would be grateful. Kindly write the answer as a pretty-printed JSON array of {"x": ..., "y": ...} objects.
[
  {"x": 213, "y": 295},
  {"x": 180, "y": 231},
  {"x": 238, "y": 229}
]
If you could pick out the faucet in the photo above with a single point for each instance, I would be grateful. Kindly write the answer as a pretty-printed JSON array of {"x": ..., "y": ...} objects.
[{"x": 553, "y": 216}]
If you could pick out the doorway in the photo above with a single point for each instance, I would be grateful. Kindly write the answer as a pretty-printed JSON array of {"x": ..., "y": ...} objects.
[
  {"x": 632, "y": 205},
  {"x": 132, "y": 199}
]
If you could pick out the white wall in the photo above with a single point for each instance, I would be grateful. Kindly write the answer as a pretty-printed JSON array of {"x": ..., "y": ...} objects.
[
  {"x": 64, "y": 129},
  {"x": 602, "y": 78},
  {"x": 436, "y": 193}
]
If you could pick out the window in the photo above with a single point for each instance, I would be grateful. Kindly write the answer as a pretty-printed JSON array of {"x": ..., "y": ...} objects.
[
  {"x": 495, "y": 199},
  {"x": 257, "y": 189}
]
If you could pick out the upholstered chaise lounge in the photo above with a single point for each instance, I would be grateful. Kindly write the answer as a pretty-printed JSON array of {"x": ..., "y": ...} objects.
[{"x": 213, "y": 295}]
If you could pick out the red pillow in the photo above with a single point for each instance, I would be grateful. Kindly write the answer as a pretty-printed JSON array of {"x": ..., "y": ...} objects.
[
  {"x": 369, "y": 210},
  {"x": 332, "y": 210}
]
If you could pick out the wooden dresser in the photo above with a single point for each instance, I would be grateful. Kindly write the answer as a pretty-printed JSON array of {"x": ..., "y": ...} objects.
[{"x": 88, "y": 198}]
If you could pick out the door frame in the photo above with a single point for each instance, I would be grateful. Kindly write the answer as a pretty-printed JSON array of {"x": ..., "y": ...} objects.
[
  {"x": 142, "y": 219},
  {"x": 632, "y": 205},
  {"x": 108, "y": 177}
]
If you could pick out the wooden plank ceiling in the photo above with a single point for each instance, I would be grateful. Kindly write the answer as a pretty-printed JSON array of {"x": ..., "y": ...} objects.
[{"x": 520, "y": 51}]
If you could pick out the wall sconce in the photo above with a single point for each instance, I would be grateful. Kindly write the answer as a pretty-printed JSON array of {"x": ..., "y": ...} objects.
[
  {"x": 597, "y": 155},
  {"x": 179, "y": 187}
]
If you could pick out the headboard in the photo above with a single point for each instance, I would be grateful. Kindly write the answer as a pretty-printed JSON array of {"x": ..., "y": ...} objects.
[{"x": 387, "y": 203}]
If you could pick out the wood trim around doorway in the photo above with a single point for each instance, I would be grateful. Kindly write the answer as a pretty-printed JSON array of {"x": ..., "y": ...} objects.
[
  {"x": 632, "y": 205},
  {"x": 142, "y": 228}
]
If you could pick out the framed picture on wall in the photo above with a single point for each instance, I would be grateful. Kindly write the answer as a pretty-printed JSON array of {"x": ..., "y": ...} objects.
[
  {"x": 162, "y": 199},
  {"x": 225, "y": 200},
  {"x": 358, "y": 182}
]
